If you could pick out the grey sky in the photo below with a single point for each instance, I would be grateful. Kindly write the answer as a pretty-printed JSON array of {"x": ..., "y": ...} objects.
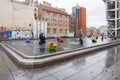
[{"x": 96, "y": 15}]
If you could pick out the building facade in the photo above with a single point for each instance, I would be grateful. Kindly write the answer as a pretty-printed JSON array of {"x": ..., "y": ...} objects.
[
  {"x": 56, "y": 20},
  {"x": 78, "y": 19},
  {"x": 113, "y": 17},
  {"x": 17, "y": 15}
]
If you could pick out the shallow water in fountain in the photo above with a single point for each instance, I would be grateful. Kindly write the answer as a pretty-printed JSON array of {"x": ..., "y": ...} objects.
[{"x": 35, "y": 49}]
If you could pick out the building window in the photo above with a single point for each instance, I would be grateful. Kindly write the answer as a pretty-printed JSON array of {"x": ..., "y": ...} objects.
[
  {"x": 34, "y": 9},
  {"x": 54, "y": 22},
  {"x": 54, "y": 15},
  {"x": 48, "y": 19},
  {"x": 54, "y": 31},
  {"x": 111, "y": 5},
  {"x": 61, "y": 31},
  {"x": 35, "y": 15},
  {"x": 60, "y": 17},
  {"x": 60, "y": 25},
  {"x": 60, "y": 21},
  {"x": 54, "y": 25},
  {"x": 66, "y": 31},
  {"x": 48, "y": 31},
  {"x": 65, "y": 18},
  {"x": 47, "y": 14},
  {"x": 30, "y": 25},
  {"x": 118, "y": 23},
  {"x": 48, "y": 24}
]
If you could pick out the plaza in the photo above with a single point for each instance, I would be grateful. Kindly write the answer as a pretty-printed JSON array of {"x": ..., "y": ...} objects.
[
  {"x": 100, "y": 64},
  {"x": 43, "y": 40}
]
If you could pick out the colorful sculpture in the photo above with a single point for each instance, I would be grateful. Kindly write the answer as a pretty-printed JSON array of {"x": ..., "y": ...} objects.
[
  {"x": 94, "y": 40},
  {"x": 51, "y": 46},
  {"x": 27, "y": 41},
  {"x": 42, "y": 38},
  {"x": 58, "y": 38}
]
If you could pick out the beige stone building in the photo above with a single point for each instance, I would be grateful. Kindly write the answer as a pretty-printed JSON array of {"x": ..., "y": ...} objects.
[{"x": 15, "y": 15}]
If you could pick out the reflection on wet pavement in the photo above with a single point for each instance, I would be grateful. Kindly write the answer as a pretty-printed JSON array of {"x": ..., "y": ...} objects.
[{"x": 102, "y": 65}]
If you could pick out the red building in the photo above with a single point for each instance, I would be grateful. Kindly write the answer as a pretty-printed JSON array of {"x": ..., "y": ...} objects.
[
  {"x": 78, "y": 20},
  {"x": 83, "y": 20}
]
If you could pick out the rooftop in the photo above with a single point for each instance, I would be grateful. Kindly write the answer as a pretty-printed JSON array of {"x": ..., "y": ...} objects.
[{"x": 55, "y": 10}]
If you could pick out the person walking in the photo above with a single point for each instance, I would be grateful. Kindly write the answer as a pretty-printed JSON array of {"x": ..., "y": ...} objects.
[
  {"x": 81, "y": 38},
  {"x": 102, "y": 38}
]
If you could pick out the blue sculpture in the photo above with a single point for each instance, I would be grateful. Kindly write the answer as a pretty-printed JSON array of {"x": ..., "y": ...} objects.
[{"x": 27, "y": 41}]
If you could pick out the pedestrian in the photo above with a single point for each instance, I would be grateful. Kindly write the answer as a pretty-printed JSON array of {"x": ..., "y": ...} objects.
[
  {"x": 81, "y": 38},
  {"x": 105, "y": 37},
  {"x": 102, "y": 38},
  {"x": 32, "y": 35}
]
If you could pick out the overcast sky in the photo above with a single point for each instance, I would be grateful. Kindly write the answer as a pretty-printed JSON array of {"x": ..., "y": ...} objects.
[{"x": 95, "y": 9}]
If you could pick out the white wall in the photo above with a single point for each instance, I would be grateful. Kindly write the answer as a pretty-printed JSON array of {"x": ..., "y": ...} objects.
[
  {"x": 5, "y": 13},
  {"x": 16, "y": 15}
]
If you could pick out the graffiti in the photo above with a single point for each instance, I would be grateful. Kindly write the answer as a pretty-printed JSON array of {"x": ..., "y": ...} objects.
[
  {"x": 2, "y": 34},
  {"x": 15, "y": 34},
  {"x": 21, "y": 34}
]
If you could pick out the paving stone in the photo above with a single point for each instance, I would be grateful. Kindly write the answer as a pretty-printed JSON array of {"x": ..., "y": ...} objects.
[
  {"x": 80, "y": 76},
  {"x": 4, "y": 70},
  {"x": 6, "y": 76},
  {"x": 57, "y": 69},
  {"x": 64, "y": 73},
  {"x": 102, "y": 65},
  {"x": 101, "y": 77},
  {"x": 49, "y": 78},
  {"x": 37, "y": 75},
  {"x": 18, "y": 74}
]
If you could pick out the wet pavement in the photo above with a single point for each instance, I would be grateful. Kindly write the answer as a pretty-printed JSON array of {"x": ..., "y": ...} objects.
[
  {"x": 102, "y": 65},
  {"x": 35, "y": 49}
]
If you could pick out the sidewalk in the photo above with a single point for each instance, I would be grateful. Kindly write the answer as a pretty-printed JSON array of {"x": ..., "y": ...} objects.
[{"x": 102, "y": 65}]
